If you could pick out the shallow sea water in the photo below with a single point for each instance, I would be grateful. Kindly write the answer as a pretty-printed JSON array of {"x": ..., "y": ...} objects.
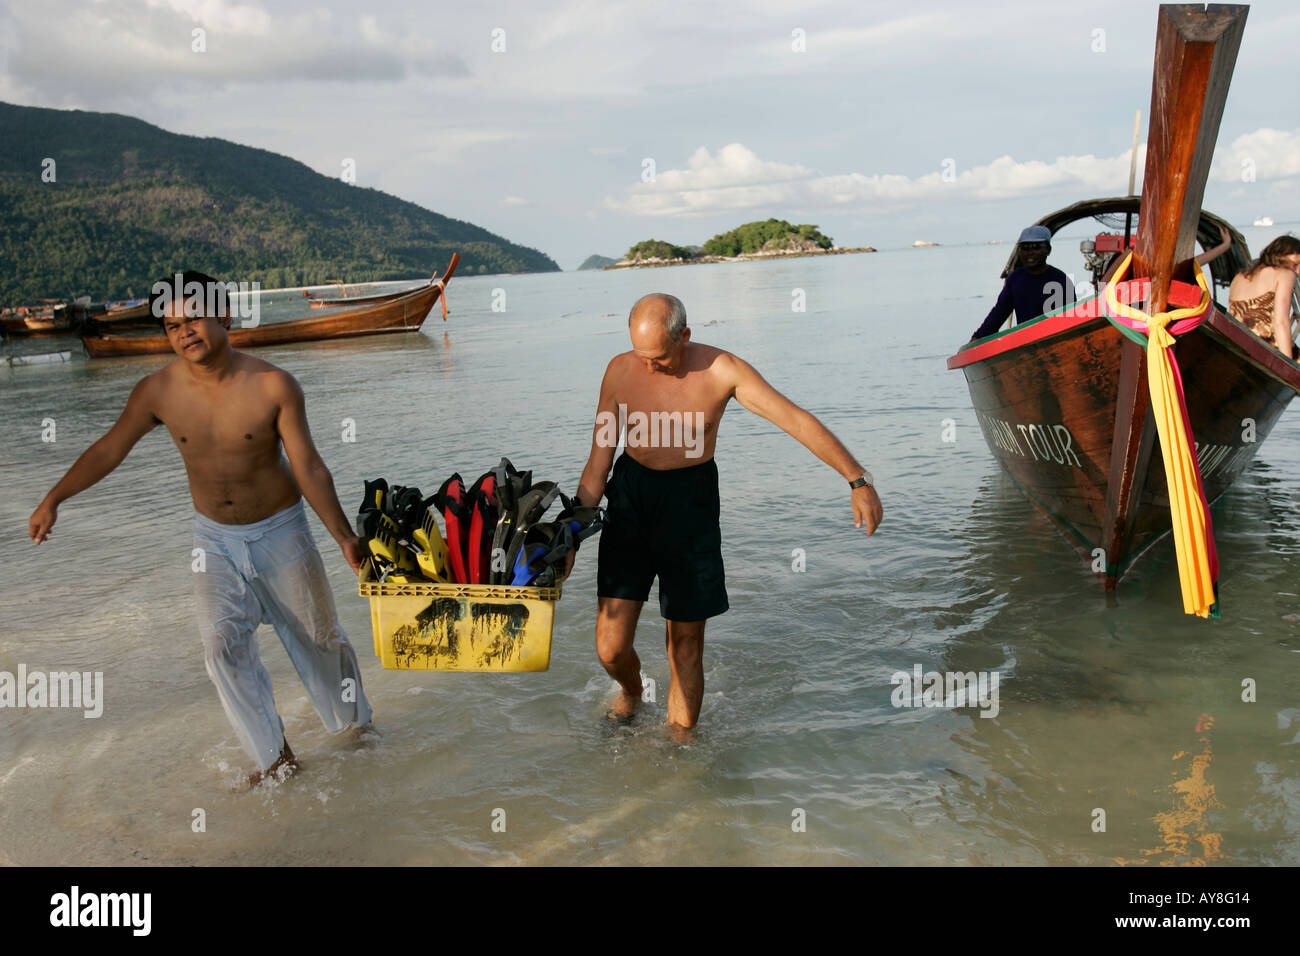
[{"x": 1134, "y": 709}]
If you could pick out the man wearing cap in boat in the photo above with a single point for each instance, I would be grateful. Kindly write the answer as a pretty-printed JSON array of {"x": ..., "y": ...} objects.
[
  {"x": 667, "y": 395},
  {"x": 241, "y": 426},
  {"x": 1033, "y": 289}
]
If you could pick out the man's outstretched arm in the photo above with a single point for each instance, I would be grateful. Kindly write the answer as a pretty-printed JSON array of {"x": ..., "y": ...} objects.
[
  {"x": 753, "y": 392},
  {"x": 136, "y": 421},
  {"x": 309, "y": 470}
]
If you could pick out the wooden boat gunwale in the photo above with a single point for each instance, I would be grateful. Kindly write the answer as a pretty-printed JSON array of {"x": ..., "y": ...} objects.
[
  {"x": 1039, "y": 330},
  {"x": 316, "y": 303}
]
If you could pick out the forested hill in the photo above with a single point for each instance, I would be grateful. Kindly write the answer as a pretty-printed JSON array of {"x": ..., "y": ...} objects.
[{"x": 131, "y": 202}]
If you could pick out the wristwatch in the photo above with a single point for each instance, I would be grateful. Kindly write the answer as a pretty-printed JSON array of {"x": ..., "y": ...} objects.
[{"x": 866, "y": 481}]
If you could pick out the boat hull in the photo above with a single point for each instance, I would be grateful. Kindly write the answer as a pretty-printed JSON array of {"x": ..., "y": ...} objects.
[
  {"x": 1062, "y": 406},
  {"x": 35, "y": 328},
  {"x": 404, "y": 314}
]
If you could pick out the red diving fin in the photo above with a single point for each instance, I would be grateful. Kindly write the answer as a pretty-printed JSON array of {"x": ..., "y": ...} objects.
[
  {"x": 450, "y": 499},
  {"x": 482, "y": 503}
]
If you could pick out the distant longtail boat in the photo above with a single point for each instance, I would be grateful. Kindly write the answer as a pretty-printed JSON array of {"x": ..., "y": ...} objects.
[
  {"x": 32, "y": 321},
  {"x": 405, "y": 312}
]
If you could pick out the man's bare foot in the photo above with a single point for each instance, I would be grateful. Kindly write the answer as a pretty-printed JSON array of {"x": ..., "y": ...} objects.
[
  {"x": 283, "y": 768},
  {"x": 679, "y": 734},
  {"x": 367, "y": 731},
  {"x": 624, "y": 707}
]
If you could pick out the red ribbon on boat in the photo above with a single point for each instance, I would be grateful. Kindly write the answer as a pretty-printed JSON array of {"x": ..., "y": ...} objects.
[
  {"x": 1193, "y": 531},
  {"x": 442, "y": 295}
]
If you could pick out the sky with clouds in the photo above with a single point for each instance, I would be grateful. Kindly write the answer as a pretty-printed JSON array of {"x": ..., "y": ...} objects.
[{"x": 882, "y": 123}]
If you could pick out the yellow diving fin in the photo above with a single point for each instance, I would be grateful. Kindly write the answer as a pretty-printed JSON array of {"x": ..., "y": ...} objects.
[
  {"x": 384, "y": 545},
  {"x": 434, "y": 559}
]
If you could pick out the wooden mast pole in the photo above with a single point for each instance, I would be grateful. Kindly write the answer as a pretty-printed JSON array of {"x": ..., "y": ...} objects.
[
  {"x": 1132, "y": 177},
  {"x": 1196, "y": 49}
]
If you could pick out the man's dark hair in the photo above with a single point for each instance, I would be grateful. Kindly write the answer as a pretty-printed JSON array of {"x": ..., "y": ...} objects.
[{"x": 164, "y": 291}]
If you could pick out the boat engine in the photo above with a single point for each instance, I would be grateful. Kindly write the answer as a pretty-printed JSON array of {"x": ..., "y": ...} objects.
[{"x": 1103, "y": 252}]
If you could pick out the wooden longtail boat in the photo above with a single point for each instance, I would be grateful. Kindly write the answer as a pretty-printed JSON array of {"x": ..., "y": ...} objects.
[
  {"x": 405, "y": 313},
  {"x": 334, "y": 303},
  {"x": 132, "y": 310},
  {"x": 1063, "y": 401},
  {"x": 51, "y": 317},
  {"x": 38, "y": 324}
]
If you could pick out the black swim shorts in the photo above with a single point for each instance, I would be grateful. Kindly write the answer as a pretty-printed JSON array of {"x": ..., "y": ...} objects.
[{"x": 664, "y": 523}]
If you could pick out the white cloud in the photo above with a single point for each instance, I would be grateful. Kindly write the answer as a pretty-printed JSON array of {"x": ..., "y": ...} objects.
[
  {"x": 1267, "y": 153},
  {"x": 735, "y": 178},
  {"x": 142, "y": 49},
  {"x": 513, "y": 201},
  {"x": 233, "y": 18},
  {"x": 854, "y": 41}
]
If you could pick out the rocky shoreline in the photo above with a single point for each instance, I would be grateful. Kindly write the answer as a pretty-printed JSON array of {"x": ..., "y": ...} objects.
[{"x": 744, "y": 257}]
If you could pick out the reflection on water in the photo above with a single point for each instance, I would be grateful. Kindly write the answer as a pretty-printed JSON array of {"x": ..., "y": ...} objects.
[{"x": 1133, "y": 710}]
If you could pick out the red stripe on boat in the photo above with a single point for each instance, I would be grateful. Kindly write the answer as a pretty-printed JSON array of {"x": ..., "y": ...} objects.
[{"x": 1129, "y": 292}]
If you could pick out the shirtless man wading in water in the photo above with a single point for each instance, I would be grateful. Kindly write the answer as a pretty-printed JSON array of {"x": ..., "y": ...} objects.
[
  {"x": 663, "y": 495},
  {"x": 229, "y": 414}
]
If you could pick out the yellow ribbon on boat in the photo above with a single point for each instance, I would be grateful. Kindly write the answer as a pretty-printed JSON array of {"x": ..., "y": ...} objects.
[{"x": 1188, "y": 510}]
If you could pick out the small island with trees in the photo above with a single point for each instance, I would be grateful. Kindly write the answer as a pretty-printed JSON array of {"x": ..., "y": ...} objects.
[{"x": 762, "y": 239}]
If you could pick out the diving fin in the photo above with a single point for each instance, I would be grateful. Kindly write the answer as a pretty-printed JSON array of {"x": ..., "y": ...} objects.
[
  {"x": 528, "y": 512},
  {"x": 406, "y": 508},
  {"x": 583, "y": 520},
  {"x": 385, "y": 544},
  {"x": 434, "y": 558},
  {"x": 450, "y": 498},
  {"x": 482, "y": 502},
  {"x": 544, "y": 549},
  {"x": 372, "y": 505},
  {"x": 511, "y": 485}
]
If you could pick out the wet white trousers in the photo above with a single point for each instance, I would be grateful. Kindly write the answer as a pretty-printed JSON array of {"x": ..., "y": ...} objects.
[{"x": 270, "y": 572}]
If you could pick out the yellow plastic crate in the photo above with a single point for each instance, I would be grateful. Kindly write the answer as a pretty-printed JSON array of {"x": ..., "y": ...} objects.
[{"x": 460, "y": 627}]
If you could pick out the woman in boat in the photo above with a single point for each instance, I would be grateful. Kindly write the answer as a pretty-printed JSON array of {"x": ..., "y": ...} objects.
[{"x": 1260, "y": 297}]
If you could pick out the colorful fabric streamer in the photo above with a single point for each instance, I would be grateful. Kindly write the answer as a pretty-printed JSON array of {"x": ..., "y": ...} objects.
[
  {"x": 1198, "y": 562},
  {"x": 442, "y": 295}
]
